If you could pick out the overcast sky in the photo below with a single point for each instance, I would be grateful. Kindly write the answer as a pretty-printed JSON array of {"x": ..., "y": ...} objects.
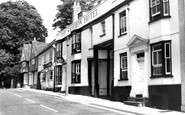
[{"x": 47, "y": 10}]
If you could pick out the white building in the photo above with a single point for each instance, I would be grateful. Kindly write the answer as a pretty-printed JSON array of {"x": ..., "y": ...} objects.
[
  {"x": 46, "y": 67},
  {"x": 128, "y": 50}
]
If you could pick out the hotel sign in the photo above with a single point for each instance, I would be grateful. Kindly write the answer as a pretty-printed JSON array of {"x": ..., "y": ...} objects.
[{"x": 95, "y": 13}]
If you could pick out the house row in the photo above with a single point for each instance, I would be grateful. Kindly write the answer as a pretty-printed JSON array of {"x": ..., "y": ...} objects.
[{"x": 125, "y": 50}]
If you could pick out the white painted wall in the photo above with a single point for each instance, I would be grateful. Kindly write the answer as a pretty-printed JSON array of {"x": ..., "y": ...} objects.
[{"x": 137, "y": 13}]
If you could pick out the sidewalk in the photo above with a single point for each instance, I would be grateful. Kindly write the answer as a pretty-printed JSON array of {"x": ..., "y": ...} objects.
[{"x": 101, "y": 103}]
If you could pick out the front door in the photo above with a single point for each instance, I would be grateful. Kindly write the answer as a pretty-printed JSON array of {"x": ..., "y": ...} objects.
[{"x": 140, "y": 81}]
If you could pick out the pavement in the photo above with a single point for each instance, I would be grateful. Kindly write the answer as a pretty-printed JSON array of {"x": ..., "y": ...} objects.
[{"x": 107, "y": 104}]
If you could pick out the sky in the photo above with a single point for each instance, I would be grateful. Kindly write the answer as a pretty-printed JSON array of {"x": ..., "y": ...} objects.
[{"x": 47, "y": 9}]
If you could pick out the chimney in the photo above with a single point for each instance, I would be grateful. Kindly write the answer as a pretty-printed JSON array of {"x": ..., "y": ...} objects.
[{"x": 76, "y": 11}]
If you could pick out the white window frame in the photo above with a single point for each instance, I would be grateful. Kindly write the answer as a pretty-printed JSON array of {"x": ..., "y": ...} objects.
[
  {"x": 167, "y": 58},
  {"x": 154, "y": 5},
  {"x": 166, "y": 1},
  {"x": 124, "y": 67},
  {"x": 123, "y": 22}
]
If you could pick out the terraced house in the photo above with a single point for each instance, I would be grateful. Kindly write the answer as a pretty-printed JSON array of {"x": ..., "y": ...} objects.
[
  {"x": 125, "y": 50},
  {"x": 129, "y": 50}
]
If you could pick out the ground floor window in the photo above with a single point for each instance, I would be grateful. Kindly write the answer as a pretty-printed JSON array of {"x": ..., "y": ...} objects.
[
  {"x": 76, "y": 70},
  {"x": 123, "y": 67},
  {"x": 161, "y": 59},
  {"x": 59, "y": 75}
]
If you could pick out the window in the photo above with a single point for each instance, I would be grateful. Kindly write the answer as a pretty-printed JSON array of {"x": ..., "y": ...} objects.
[
  {"x": 59, "y": 50},
  {"x": 103, "y": 27},
  {"x": 123, "y": 68},
  {"x": 59, "y": 75},
  {"x": 159, "y": 9},
  {"x": 161, "y": 59},
  {"x": 76, "y": 43},
  {"x": 44, "y": 58},
  {"x": 39, "y": 61},
  {"x": 33, "y": 61},
  {"x": 91, "y": 35},
  {"x": 50, "y": 55},
  {"x": 123, "y": 25},
  {"x": 76, "y": 68},
  {"x": 51, "y": 75}
]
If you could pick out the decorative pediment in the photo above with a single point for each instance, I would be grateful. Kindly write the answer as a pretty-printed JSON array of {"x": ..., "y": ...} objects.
[{"x": 137, "y": 41}]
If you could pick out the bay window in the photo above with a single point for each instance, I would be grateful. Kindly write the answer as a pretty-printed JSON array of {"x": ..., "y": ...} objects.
[
  {"x": 159, "y": 9},
  {"x": 161, "y": 59}
]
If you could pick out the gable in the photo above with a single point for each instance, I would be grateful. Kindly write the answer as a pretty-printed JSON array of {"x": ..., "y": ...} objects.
[{"x": 137, "y": 41}]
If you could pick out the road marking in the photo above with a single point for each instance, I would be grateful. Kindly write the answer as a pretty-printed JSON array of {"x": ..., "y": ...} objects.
[
  {"x": 116, "y": 111},
  {"x": 17, "y": 95},
  {"x": 30, "y": 100},
  {"x": 48, "y": 108}
]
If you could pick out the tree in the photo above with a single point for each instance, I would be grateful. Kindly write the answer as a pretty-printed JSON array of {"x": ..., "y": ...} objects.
[
  {"x": 64, "y": 16},
  {"x": 19, "y": 23}
]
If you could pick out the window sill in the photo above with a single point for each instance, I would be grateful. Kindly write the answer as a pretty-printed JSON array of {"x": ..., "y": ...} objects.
[
  {"x": 102, "y": 35},
  {"x": 122, "y": 35},
  {"x": 161, "y": 76},
  {"x": 159, "y": 19},
  {"x": 75, "y": 82},
  {"x": 125, "y": 79}
]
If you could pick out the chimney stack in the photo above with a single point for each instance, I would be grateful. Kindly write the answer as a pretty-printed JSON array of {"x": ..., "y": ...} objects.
[{"x": 76, "y": 11}]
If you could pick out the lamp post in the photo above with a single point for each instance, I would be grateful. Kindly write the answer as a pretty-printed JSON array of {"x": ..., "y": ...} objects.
[{"x": 67, "y": 60}]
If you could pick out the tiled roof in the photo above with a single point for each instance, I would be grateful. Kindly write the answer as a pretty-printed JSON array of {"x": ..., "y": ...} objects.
[{"x": 37, "y": 47}]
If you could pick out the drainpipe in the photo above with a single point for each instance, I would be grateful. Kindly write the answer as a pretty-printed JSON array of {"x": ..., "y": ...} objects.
[{"x": 113, "y": 34}]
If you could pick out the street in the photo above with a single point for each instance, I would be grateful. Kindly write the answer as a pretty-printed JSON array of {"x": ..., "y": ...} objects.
[{"x": 19, "y": 102}]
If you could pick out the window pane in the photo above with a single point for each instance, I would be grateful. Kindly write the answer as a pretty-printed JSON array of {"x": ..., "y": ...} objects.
[
  {"x": 168, "y": 66},
  {"x": 154, "y": 58},
  {"x": 167, "y": 50},
  {"x": 160, "y": 57}
]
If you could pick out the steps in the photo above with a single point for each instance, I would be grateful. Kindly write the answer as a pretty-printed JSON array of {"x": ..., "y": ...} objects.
[{"x": 137, "y": 101}]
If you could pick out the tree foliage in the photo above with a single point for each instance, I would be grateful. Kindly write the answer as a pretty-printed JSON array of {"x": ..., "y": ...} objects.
[
  {"x": 64, "y": 16},
  {"x": 19, "y": 23}
]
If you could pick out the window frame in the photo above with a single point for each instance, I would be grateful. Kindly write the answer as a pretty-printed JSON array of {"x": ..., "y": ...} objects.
[
  {"x": 164, "y": 72},
  {"x": 125, "y": 68},
  {"x": 123, "y": 22},
  {"x": 76, "y": 72}
]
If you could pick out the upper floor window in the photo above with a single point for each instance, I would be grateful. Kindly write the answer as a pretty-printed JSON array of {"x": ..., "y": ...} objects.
[
  {"x": 59, "y": 50},
  {"x": 50, "y": 55},
  {"x": 159, "y": 9},
  {"x": 76, "y": 43},
  {"x": 44, "y": 58},
  {"x": 103, "y": 27},
  {"x": 161, "y": 59},
  {"x": 76, "y": 70},
  {"x": 124, "y": 67},
  {"x": 123, "y": 22},
  {"x": 33, "y": 61},
  {"x": 40, "y": 60}
]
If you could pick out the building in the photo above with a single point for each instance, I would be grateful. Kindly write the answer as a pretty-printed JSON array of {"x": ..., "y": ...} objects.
[
  {"x": 29, "y": 62},
  {"x": 128, "y": 50},
  {"x": 46, "y": 67},
  {"x": 36, "y": 48},
  {"x": 25, "y": 57}
]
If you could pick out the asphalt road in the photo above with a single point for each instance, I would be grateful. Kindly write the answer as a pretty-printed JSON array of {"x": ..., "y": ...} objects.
[{"x": 19, "y": 102}]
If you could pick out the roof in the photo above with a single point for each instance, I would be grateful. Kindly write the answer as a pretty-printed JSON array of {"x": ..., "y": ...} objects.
[{"x": 37, "y": 47}]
